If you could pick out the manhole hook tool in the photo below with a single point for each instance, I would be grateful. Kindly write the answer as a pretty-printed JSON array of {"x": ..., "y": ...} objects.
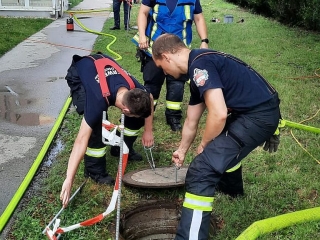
[{"x": 148, "y": 151}]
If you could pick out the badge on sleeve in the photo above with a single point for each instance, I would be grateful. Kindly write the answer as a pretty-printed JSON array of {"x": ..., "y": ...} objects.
[{"x": 200, "y": 76}]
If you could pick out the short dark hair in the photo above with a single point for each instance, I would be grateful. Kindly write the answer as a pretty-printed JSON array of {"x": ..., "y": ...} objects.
[
  {"x": 166, "y": 43},
  {"x": 138, "y": 102}
]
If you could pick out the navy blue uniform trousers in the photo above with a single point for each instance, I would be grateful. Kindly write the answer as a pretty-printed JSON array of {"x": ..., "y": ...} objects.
[
  {"x": 154, "y": 77},
  {"x": 242, "y": 134},
  {"x": 97, "y": 165}
]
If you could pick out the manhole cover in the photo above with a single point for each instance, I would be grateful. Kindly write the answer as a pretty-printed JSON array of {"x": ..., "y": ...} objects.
[{"x": 164, "y": 177}]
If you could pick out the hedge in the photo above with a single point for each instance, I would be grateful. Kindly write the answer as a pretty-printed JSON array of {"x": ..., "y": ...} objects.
[{"x": 300, "y": 13}]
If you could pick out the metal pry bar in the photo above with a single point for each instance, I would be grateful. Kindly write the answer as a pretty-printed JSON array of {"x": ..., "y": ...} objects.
[
  {"x": 57, "y": 215},
  {"x": 148, "y": 151},
  {"x": 120, "y": 177},
  {"x": 176, "y": 169}
]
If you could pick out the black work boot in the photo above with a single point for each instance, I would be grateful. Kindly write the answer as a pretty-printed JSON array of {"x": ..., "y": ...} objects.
[
  {"x": 115, "y": 28},
  {"x": 174, "y": 124},
  {"x": 133, "y": 155},
  {"x": 99, "y": 178},
  {"x": 231, "y": 183}
]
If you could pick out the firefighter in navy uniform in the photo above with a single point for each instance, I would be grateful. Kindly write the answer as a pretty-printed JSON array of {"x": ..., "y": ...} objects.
[
  {"x": 157, "y": 17},
  {"x": 135, "y": 103},
  {"x": 242, "y": 113}
]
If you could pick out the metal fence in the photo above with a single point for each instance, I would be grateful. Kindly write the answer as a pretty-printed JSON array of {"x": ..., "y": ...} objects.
[{"x": 33, "y": 8}]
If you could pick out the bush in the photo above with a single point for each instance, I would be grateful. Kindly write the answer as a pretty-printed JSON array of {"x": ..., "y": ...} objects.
[{"x": 300, "y": 13}]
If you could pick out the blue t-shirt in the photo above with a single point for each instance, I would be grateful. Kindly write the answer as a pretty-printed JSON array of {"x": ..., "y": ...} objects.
[
  {"x": 171, "y": 4},
  {"x": 95, "y": 102},
  {"x": 242, "y": 88}
]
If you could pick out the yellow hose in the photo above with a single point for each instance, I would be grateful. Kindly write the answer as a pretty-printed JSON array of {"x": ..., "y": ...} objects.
[
  {"x": 88, "y": 11},
  {"x": 273, "y": 224},
  {"x": 118, "y": 56}
]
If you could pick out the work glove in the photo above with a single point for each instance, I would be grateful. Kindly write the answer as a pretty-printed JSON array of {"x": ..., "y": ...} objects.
[{"x": 272, "y": 143}]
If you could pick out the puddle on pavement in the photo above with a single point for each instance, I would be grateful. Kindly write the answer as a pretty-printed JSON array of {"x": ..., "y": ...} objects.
[{"x": 10, "y": 103}]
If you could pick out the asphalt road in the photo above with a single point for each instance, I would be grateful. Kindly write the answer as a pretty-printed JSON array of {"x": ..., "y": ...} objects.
[{"x": 33, "y": 91}]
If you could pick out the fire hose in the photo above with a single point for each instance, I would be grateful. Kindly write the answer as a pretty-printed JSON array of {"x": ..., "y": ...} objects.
[{"x": 300, "y": 126}]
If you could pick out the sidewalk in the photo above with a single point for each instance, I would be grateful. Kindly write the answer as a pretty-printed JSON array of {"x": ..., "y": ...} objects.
[{"x": 33, "y": 91}]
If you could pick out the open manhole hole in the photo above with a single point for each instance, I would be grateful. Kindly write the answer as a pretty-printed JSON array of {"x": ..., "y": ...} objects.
[{"x": 151, "y": 220}]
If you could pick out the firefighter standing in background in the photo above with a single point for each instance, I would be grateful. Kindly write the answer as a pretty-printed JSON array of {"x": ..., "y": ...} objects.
[
  {"x": 126, "y": 14},
  {"x": 136, "y": 104},
  {"x": 157, "y": 17},
  {"x": 242, "y": 113}
]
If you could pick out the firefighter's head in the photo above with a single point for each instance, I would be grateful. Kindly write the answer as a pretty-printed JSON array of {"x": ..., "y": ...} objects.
[
  {"x": 171, "y": 54},
  {"x": 138, "y": 103}
]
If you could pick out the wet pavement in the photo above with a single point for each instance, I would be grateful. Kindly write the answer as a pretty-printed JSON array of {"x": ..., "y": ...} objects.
[{"x": 33, "y": 91}]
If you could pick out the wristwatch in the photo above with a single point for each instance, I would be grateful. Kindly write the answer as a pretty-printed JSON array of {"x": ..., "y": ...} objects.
[{"x": 206, "y": 40}]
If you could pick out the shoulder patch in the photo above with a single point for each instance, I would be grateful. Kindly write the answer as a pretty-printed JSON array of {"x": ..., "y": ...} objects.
[{"x": 200, "y": 76}]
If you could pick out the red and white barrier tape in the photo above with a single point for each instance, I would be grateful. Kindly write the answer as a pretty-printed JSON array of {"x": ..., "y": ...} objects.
[{"x": 112, "y": 139}]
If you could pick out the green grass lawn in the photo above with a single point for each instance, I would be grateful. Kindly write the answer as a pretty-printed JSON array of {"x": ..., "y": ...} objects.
[
  {"x": 15, "y": 30},
  {"x": 275, "y": 184}
]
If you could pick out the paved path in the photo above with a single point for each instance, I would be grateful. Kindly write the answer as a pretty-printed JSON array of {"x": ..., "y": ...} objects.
[{"x": 33, "y": 91}]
